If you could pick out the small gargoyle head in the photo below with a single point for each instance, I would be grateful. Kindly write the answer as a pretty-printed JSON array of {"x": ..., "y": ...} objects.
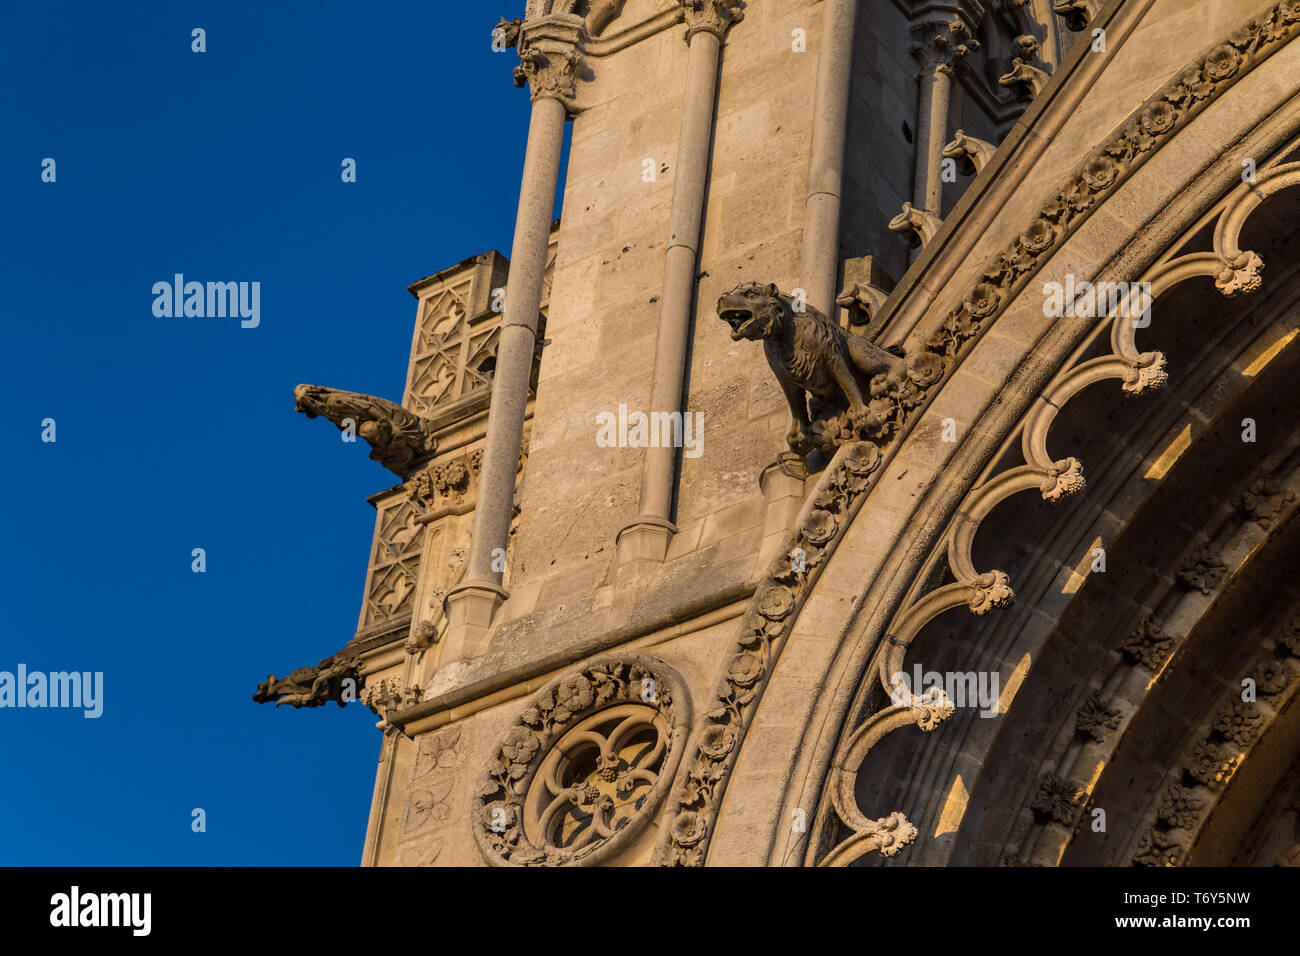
[
  {"x": 309, "y": 399},
  {"x": 754, "y": 311}
]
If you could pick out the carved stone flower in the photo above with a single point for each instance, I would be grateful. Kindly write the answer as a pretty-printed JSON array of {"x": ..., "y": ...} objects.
[
  {"x": 1159, "y": 848},
  {"x": 1038, "y": 236},
  {"x": 520, "y": 746},
  {"x": 777, "y": 602},
  {"x": 909, "y": 394},
  {"x": 925, "y": 369},
  {"x": 1194, "y": 86},
  {"x": 1272, "y": 676},
  {"x": 893, "y": 833},
  {"x": 1239, "y": 722},
  {"x": 573, "y": 695},
  {"x": 982, "y": 300},
  {"x": 1210, "y": 764},
  {"x": 1222, "y": 63},
  {"x": 1100, "y": 173},
  {"x": 1179, "y": 806},
  {"x": 989, "y": 592},
  {"x": 1289, "y": 10},
  {"x": 1063, "y": 479},
  {"x": 1159, "y": 117},
  {"x": 688, "y": 828},
  {"x": 820, "y": 528},
  {"x": 863, "y": 459},
  {"x": 882, "y": 409},
  {"x": 1057, "y": 798},
  {"x": 1148, "y": 644},
  {"x": 717, "y": 741},
  {"x": 1204, "y": 570},
  {"x": 745, "y": 669}
]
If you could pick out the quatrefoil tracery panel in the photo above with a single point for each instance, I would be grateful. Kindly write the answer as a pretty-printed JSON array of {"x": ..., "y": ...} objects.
[{"x": 597, "y": 776}]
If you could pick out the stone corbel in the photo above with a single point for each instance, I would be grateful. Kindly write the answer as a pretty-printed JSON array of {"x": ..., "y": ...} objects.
[
  {"x": 1077, "y": 14},
  {"x": 917, "y": 226},
  {"x": 1024, "y": 71},
  {"x": 971, "y": 154},
  {"x": 941, "y": 43},
  {"x": 866, "y": 286}
]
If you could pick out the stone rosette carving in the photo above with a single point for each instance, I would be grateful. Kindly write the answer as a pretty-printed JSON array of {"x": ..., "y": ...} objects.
[
  {"x": 1264, "y": 500},
  {"x": 580, "y": 773},
  {"x": 1203, "y": 571},
  {"x": 1148, "y": 644},
  {"x": 1058, "y": 799},
  {"x": 1094, "y": 719}
]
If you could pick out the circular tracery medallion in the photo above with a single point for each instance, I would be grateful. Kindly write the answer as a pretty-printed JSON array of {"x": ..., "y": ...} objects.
[{"x": 586, "y": 764}]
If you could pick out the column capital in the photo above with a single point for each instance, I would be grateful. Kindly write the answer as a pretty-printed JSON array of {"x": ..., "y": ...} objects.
[
  {"x": 710, "y": 16},
  {"x": 941, "y": 42},
  {"x": 549, "y": 58}
]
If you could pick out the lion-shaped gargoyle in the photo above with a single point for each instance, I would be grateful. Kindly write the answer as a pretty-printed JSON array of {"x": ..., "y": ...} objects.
[
  {"x": 823, "y": 369},
  {"x": 311, "y": 686}
]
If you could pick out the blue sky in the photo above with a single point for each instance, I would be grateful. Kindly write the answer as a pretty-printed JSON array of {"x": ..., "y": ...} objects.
[{"x": 177, "y": 433}]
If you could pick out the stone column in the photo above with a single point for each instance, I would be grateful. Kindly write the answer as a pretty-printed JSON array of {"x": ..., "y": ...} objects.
[
  {"x": 819, "y": 268},
  {"x": 647, "y": 536},
  {"x": 940, "y": 43},
  {"x": 549, "y": 64}
]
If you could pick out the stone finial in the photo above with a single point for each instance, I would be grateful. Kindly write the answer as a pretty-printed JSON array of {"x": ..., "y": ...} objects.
[
  {"x": 713, "y": 16},
  {"x": 400, "y": 440},
  {"x": 916, "y": 225},
  {"x": 1076, "y": 13},
  {"x": 1025, "y": 71},
  {"x": 971, "y": 154}
]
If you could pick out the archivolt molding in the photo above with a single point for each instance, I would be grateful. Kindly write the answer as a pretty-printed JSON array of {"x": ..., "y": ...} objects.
[
  {"x": 1234, "y": 271},
  {"x": 839, "y": 492},
  {"x": 1207, "y": 766},
  {"x": 1201, "y": 775}
]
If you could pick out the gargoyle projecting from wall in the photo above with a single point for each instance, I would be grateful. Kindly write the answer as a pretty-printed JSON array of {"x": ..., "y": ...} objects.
[
  {"x": 312, "y": 686},
  {"x": 824, "y": 370},
  {"x": 399, "y": 440}
]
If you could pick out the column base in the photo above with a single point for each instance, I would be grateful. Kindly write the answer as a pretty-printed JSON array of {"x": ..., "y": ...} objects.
[
  {"x": 645, "y": 539},
  {"x": 471, "y": 606}
]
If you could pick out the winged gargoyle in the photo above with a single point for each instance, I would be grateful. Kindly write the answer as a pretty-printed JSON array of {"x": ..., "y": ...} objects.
[
  {"x": 311, "y": 686},
  {"x": 399, "y": 439}
]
